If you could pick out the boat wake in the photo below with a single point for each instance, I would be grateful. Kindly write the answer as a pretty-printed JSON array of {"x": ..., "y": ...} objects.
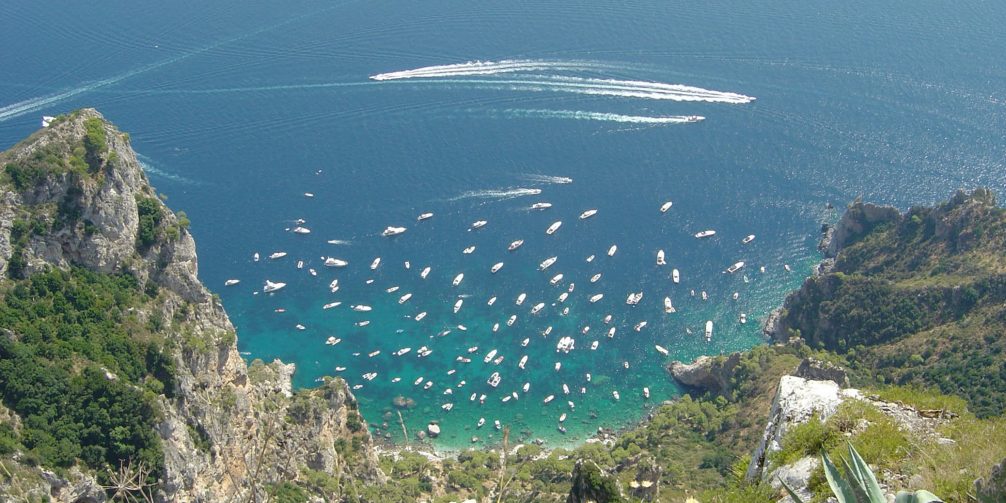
[
  {"x": 497, "y": 194},
  {"x": 492, "y": 68},
  {"x": 149, "y": 168},
  {"x": 340, "y": 242},
  {"x": 601, "y": 116},
  {"x": 547, "y": 179}
]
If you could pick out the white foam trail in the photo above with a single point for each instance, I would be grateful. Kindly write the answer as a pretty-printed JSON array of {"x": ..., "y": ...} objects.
[
  {"x": 490, "y": 68},
  {"x": 499, "y": 194},
  {"x": 548, "y": 179},
  {"x": 608, "y": 87},
  {"x": 150, "y": 169},
  {"x": 601, "y": 116},
  {"x": 339, "y": 242}
]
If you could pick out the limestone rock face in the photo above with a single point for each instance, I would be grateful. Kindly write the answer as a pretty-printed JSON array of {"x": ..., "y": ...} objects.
[
  {"x": 817, "y": 370},
  {"x": 705, "y": 373}
]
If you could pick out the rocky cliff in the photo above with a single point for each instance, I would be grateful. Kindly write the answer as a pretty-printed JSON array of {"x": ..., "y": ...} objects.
[{"x": 228, "y": 434}]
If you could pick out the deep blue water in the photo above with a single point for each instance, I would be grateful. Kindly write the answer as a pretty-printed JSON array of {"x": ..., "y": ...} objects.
[{"x": 239, "y": 108}]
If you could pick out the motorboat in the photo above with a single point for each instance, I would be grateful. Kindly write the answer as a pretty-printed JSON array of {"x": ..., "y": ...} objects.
[
  {"x": 547, "y": 263},
  {"x": 510, "y": 321},
  {"x": 494, "y": 379},
  {"x": 612, "y": 250},
  {"x": 231, "y": 282},
  {"x": 705, "y": 234},
  {"x": 734, "y": 268},
  {"x": 555, "y": 279},
  {"x": 481, "y": 422},
  {"x": 594, "y": 278},
  {"x": 255, "y": 257},
  {"x": 590, "y": 259},
  {"x": 668, "y": 307},
  {"x": 402, "y": 351},
  {"x": 404, "y": 298},
  {"x": 660, "y": 258},
  {"x": 392, "y": 231},
  {"x": 587, "y": 214},
  {"x": 301, "y": 230},
  {"x": 492, "y": 300},
  {"x": 375, "y": 264},
  {"x": 457, "y": 305},
  {"x": 662, "y": 350},
  {"x": 514, "y": 245},
  {"x": 676, "y": 276},
  {"x": 526, "y": 387},
  {"x": 489, "y": 356},
  {"x": 478, "y": 224},
  {"x": 522, "y": 362},
  {"x": 554, "y": 227},
  {"x": 634, "y": 298},
  {"x": 277, "y": 255},
  {"x": 363, "y": 308},
  {"x": 335, "y": 262},
  {"x": 537, "y": 307},
  {"x": 639, "y": 326},
  {"x": 392, "y": 289},
  {"x": 457, "y": 279},
  {"x": 420, "y": 316},
  {"x": 596, "y": 297},
  {"x": 330, "y": 305},
  {"x": 520, "y": 298},
  {"x": 747, "y": 239},
  {"x": 496, "y": 267},
  {"x": 593, "y": 346},
  {"x": 425, "y": 272},
  {"x": 548, "y": 399},
  {"x": 646, "y": 393},
  {"x": 424, "y": 216},
  {"x": 563, "y": 296},
  {"x": 373, "y": 353},
  {"x": 525, "y": 342},
  {"x": 362, "y": 323},
  {"x": 541, "y": 206},
  {"x": 666, "y": 206},
  {"x": 300, "y": 264},
  {"x": 332, "y": 341},
  {"x": 615, "y": 394},
  {"x": 469, "y": 250},
  {"x": 607, "y": 319},
  {"x": 744, "y": 318},
  {"x": 709, "y": 330},
  {"x": 272, "y": 287}
]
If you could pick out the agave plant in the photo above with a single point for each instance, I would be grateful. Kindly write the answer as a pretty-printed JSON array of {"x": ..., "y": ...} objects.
[{"x": 859, "y": 485}]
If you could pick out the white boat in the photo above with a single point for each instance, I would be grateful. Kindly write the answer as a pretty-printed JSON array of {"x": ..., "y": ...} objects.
[
  {"x": 457, "y": 305},
  {"x": 404, "y": 298},
  {"x": 392, "y": 231},
  {"x": 425, "y": 272},
  {"x": 555, "y": 279},
  {"x": 47, "y": 120},
  {"x": 496, "y": 267},
  {"x": 407, "y": 264},
  {"x": 541, "y": 206},
  {"x": 547, "y": 263},
  {"x": 520, "y": 298},
  {"x": 709, "y": 330},
  {"x": 611, "y": 332},
  {"x": 596, "y": 297},
  {"x": 744, "y": 318},
  {"x": 676, "y": 276},
  {"x": 554, "y": 227},
  {"x": 668, "y": 307},
  {"x": 704, "y": 295},
  {"x": 734, "y": 268},
  {"x": 522, "y": 362},
  {"x": 494, "y": 379},
  {"x": 272, "y": 287},
  {"x": 462, "y": 328},
  {"x": 593, "y": 346},
  {"x": 526, "y": 387},
  {"x": 662, "y": 350},
  {"x": 525, "y": 342},
  {"x": 548, "y": 331},
  {"x": 594, "y": 278},
  {"x": 587, "y": 214},
  {"x": 563, "y": 296},
  {"x": 558, "y": 365},
  {"x": 373, "y": 353},
  {"x": 607, "y": 319},
  {"x": 514, "y": 245},
  {"x": 469, "y": 250},
  {"x": 424, "y": 216},
  {"x": 492, "y": 300},
  {"x": 497, "y": 424},
  {"x": 537, "y": 307},
  {"x": 402, "y": 351},
  {"x": 363, "y": 308},
  {"x": 420, "y": 316},
  {"x": 375, "y": 264},
  {"x": 392, "y": 289},
  {"x": 634, "y": 298},
  {"x": 489, "y": 356},
  {"x": 301, "y": 230},
  {"x": 312, "y": 272},
  {"x": 639, "y": 326},
  {"x": 736, "y": 295},
  {"x": 447, "y": 406},
  {"x": 666, "y": 206},
  {"x": 300, "y": 327},
  {"x": 428, "y": 385},
  {"x": 458, "y": 279},
  {"x": 548, "y": 399},
  {"x": 660, "y": 258},
  {"x": 332, "y": 341},
  {"x": 231, "y": 282},
  {"x": 300, "y": 264},
  {"x": 255, "y": 257},
  {"x": 510, "y": 321},
  {"x": 362, "y": 323},
  {"x": 277, "y": 255},
  {"x": 615, "y": 394},
  {"x": 478, "y": 224},
  {"x": 612, "y": 250},
  {"x": 787, "y": 267},
  {"x": 747, "y": 239},
  {"x": 562, "y": 417},
  {"x": 335, "y": 262},
  {"x": 590, "y": 259},
  {"x": 646, "y": 393},
  {"x": 481, "y": 422},
  {"x": 330, "y": 305},
  {"x": 308, "y": 194},
  {"x": 705, "y": 234}
]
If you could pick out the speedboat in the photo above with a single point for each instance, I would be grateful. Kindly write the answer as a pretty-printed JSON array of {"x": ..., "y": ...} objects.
[
  {"x": 402, "y": 351},
  {"x": 662, "y": 350},
  {"x": 481, "y": 422},
  {"x": 612, "y": 250},
  {"x": 420, "y": 316},
  {"x": 458, "y": 279},
  {"x": 332, "y": 341},
  {"x": 676, "y": 276},
  {"x": 749, "y": 238},
  {"x": 231, "y": 282},
  {"x": 537, "y": 307},
  {"x": 639, "y": 326},
  {"x": 496, "y": 267},
  {"x": 520, "y": 298},
  {"x": 555, "y": 279},
  {"x": 634, "y": 298},
  {"x": 424, "y": 216},
  {"x": 330, "y": 305},
  {"x": 594, "y": 278},
  {"x": 510, "y": 321},
  {"x": 525, "y": 342},
  {"x": 335, "y": 262},
  {"x": 541, "y": 206},
  {"x": 590, "y": 259},
  {"x": 563, "y": 296},
  {"x": 255, "y": 257},
  {"x": 547, "y": 263},
  {"x": 392, "y": 289},
  {"x": 615, "y": 394},
  {"x": 301, "y": 230},
  {"x": 392, "y": 231},
  {"x": 646, "y": 393},
  {"x": 593, "y": 346},
  {"x": 300, "y": 264},
  {"x": 522, "y": 362},
  {"x": 660, "y": 258},
  {"x": 404, "y": 298},
  {"x": 478, "y": 224},
  {"x": 607, "y": 319},
  {"x": 668, "y": 307},
  {"x": 362, "y": 323},
  {"x": 744, "y": 318},
  {"x": 492, "y": 300},
  {"x": 709, "y": 330},
  {"x": 705, "y": 234},
  {"x": 362, "y": 308},
  {"x": 514, "y": 245},
  {"x": 489, "y": 356},
  {"x": 587, "y": 214},
  {"x": 272, "y": 287},
  {"x": 494, "y": 379},
  {"x": 425, "y": 272},
  {"x": 375, "y": 263},
  {"x": 666, "y": 206},
  {"x": 469, "y": 250},
  {"x": 457, "y": 305},
  {"x": 548, "y": 399},
  {"x": 596, "y": 297},
  {"x": 277, "y": 255},
  {"x": 554, "y": 227},
  {"x": 734, "y": 268}
]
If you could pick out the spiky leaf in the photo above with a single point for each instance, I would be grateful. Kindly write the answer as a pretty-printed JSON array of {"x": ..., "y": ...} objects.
[
  {"x": 792, "y": 493},
  {"x": 839, "y": 486},
  {"x": 917, "y": 497},
  {"x": 865, "y": 477}
]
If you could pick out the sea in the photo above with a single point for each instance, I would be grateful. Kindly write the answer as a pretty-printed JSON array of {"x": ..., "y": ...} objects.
[{"x": 756, "y": 118}]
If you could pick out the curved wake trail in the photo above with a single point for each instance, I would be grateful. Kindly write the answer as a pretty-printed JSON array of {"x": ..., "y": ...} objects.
[
  {"x": 149, "y": 167},
  {"x": 498, "y": 194},
  {"x": 601, "y": 116},
  {"x": 490, "y": 68},
  {"x": 547, "y": 178},
  {"x": 608, "y": 87}
]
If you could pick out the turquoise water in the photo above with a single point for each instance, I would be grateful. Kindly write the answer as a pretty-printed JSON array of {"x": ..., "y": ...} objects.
[{"x": 239, "y": 108}]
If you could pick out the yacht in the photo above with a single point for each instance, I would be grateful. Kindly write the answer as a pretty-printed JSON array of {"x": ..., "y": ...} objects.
[
  {"x": 420, "y": 316},
  {"x": 272, "y": 287},
  {"x": 458, "y": 279},
  {"x": 231, "y": 282},
  {"x": 666, "y": 206},
  {"x": 478, "y": 224},
  {"x": 510, "y": 321},
  {"x": 392, "y": 231},
  {"x": 424, "y": 216},
  {"x": 496, "y": 267},
  {"x": 676, "y": 276},
  {"x": 375, "y": 264},
  {"x": 668, "y": 307},
  {"x": 662, "y": 350},
  {"x": 404, "y": 298},
  {"x": 425, "y": 272},
  {"x": 494, "y": 379},
  {"x": 373, "y": 353},
  {"x": 362, "y": 308},
  {"x": 520, "y": 298},
  {"x": 705, "y": 234},
  {"x": 709, "y": 330},
  {"x": 596, "y": 297},
  {"x": 489, "y": 356},
  {"x": 660, "y": 258},
  {"x": 556, "y": 279},
  {"x": 639, "y": 326},
  {"x": 332, "y": 341},
  {"x": 548, "y": 399},
  {"x": 734, "y": 268},
  {"x": 469, "y": 250},
  {"x": 492, "y": 300},
  {"x": 277, "y": 255},
  {"x": 392, "y": 289},
  {"x": 563, "y": 296},
  {"x": 547, "y": 263},
  {"x": 402, "y": 351},
  {"x": 335, "y": 262},
  {"x": 330, "y": 305},
  {"x": 514, "y": 245},
  {"x": 634, "y": 298},
  {"x": 646, "y": 393},
  {"x": 522, "y": 362},
  {"x": 587, "y": 214},
  {"x": 541, "y": 206},
  {"x": 749, "y": 238},
  {"x": 457, "y": 305},
  {"x": 554, "y": 227},
  {"x": 612, "y": 250},
  {"x": 537, "y": 307},
  {"x": 594, "y": 278}
]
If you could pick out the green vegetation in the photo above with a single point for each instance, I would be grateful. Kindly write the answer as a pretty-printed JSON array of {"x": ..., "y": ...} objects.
[
  {"x": 80, "y": 371},
  {"x": 149, "y": 210},
  {"x": 95, "y": 143}
]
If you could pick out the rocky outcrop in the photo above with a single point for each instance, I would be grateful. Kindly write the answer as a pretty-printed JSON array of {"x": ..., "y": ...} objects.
[
  {"x": 813, "y": 369},
  {"x": 592, "y": 485},
  {"x": 226, "y": 435},
  {"x": 706, "y": 373},
  {"x": 858, "y": 219}
]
